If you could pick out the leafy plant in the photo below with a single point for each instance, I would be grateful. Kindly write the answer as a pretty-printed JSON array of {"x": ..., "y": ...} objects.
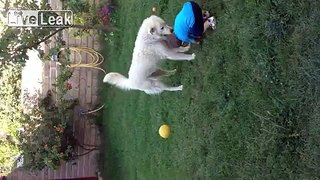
[
  {"x": 15, "y": 42},
  {"x": 48, "y": 137},
  {"x": 89, "y": 14},
  {"x": 78, "y": 6},
  {"x": 42, "y": 141},
  {"x": 10, "y": 115}
]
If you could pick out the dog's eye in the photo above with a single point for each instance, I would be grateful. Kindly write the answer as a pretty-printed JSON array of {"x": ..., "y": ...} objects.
[{"x": 162, "y": 28}]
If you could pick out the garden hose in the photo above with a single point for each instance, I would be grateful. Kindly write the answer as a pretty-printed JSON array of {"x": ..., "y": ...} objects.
[
  {"x": 96, "y": 56},
  {"x": 97, "y": 61},
  {"x": 93, "y": 111}
]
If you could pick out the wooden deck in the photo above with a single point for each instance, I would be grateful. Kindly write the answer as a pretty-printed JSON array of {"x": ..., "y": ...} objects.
[{"x": 84, "y": 88}]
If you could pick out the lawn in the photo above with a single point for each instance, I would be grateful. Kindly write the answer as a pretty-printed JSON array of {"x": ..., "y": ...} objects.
[{"x": 250, "y": 107}]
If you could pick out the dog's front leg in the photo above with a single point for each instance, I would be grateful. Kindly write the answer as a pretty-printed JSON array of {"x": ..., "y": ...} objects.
[
  {"x": 172, "y": 55},
  {"x": 180, "y": 56},
  {"x": 177, "y": 88},
  {"x": 168, "y": 88}
]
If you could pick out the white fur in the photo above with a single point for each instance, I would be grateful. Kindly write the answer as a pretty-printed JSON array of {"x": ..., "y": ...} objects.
[{"x": 150, "y": 48}]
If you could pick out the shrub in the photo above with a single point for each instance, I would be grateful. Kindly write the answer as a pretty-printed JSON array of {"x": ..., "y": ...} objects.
[
  {"x": 89, "y": 14},
  {"x": 46, "y": 128},
  {"x": 10, "y": 115},
  {"x": 48, "y": 137},
  {"x": 78, "y": 6}
]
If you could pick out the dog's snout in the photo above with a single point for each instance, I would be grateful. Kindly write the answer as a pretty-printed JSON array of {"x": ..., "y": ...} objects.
[{"x": 171, "y": 30}]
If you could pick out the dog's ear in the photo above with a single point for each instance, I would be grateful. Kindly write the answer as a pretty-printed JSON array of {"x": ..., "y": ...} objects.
[{"x": 152, "y": 30}]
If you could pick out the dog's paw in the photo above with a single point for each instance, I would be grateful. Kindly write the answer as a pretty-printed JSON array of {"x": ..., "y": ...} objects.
[
  {"x": 180, "y": 87},
  {"x": 193, "y": 56},
  {"x": 174, "y": 70}
]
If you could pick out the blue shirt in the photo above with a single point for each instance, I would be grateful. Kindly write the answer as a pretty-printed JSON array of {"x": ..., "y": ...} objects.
[{"x": 184, "y": 22}]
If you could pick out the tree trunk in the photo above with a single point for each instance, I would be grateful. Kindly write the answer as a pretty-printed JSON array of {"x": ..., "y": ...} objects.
[
  {"x": 34, "y": 45},
  {"x": 106, "y": 27}
]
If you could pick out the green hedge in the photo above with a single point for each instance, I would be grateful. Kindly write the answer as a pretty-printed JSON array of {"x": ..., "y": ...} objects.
[{"x": 10, "y": 114}]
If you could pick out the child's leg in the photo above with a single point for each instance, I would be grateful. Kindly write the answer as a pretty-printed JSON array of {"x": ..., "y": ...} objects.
[
  {"x": 202, "y": 22},
  {"x": 206, "y": 25},
  {"x": 197, "y": 28},
  {"x": 210, "y": 22}
]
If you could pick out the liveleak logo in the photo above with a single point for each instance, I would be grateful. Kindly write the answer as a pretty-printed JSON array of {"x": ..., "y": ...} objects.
[{"x": 44, "y": 18}]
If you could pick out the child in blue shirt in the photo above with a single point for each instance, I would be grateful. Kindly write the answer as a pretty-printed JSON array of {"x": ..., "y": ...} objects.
[{"x": 190, "y": 23}]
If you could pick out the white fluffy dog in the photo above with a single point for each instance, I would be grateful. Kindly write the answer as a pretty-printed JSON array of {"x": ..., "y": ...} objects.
[{"x": 150, "y": 48}]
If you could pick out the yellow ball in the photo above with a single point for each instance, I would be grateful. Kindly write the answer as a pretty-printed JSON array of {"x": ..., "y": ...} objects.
[{"x": 164, "y": 131}]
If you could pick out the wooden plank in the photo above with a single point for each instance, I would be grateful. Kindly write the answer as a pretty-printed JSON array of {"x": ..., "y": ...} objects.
[
  {"x": 55, "y": 5},
  {"x": 83, "y": 82},
  {"x": 76, "y": 126},
  {"x": 89, "y": 45},
  {"x": 93, "y": 166},
  {"x": 75, "y": 82},
  {"x": 86, "y": 141},
  {"x": 75, "y": 169},
  {"x": 19, "y": 175},
  {"x": 81, "y": 132},
  {"x": 56, "y": 174},
  {"x": 89, "y": 87},
  {"x": 90, "y": 42},
  {"x": 59, "y": 5},
  {"x": 98, "y": 138},
  {"x": 80, "y": 167},
  {"x": 96, "y": 40},
  {"x": 68, "y": 170},
  {"x": 92, "y": 156},
  {"x": 71, "y": 40},
  {"x": 50, "y": 174},
  {"x": 45, "y": 77},
  {"x": 76, "y": 71},
  {"x": 95, "y": 87},
  {"x": 95, "y": 100},
  {"x": 84, "y": 41},
  {"x": 65, "y": 36},
  {"x": 42, "y": 174},
  {"x": 95, "y": 77},
  {"x": 36, "y": 177},
  {"x": 86, "y": 132},
  {"x": 80, "y": 138},
  {"x": 45, "y": 86},
  {"x": 82, "y": 86},
  {"x": 62, "y": 170},
  {"x": 52, "y": 80}
]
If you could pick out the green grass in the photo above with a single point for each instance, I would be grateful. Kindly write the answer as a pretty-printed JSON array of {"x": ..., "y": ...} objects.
[{"x": 250, "y": 107}]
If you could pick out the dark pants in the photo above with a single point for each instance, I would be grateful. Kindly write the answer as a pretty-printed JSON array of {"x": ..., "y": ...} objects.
[{"x": 197, "y": 28}]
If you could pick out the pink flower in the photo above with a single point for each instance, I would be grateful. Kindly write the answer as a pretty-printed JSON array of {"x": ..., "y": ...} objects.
[
  {"x": 100, "y": 13},
  {"x": 105, "y": 9}
]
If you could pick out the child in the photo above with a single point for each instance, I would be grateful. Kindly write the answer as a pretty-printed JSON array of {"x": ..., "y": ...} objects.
[{"x": 190, "y": 24}]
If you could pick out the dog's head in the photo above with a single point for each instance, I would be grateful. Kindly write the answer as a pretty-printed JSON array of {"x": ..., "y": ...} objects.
[{"x": 158, "y": 28}]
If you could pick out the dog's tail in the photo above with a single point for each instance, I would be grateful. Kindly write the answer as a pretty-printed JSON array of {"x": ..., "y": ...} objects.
[{"x": 118, "y": 80}]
